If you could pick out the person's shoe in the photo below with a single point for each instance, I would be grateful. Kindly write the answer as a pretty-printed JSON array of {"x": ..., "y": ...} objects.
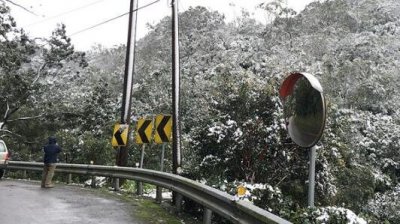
[{"x": 49, "y": 186}]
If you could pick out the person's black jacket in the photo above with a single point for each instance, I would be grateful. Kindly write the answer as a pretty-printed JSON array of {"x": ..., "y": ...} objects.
[{"x": 51, "y": 151}]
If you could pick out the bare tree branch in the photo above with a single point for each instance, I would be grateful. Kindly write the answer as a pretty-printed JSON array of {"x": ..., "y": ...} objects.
[
  {"x": 5, "y": 114},
  {"x": 10, "y": 132},
  {"x": 10, "y": 112},
  {"x": 26, "y": 118},
  {"x": 25, "y": 96},
  {"x": 38, "y": 73},
  {"x": 279, "y": 182}
]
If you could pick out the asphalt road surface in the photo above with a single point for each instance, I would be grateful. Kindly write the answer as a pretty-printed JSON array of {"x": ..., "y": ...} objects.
[{"x": 23, "y": 202}]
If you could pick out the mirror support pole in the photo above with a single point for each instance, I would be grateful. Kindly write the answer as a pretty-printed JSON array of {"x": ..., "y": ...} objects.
[{"x": 311, "y": 177}]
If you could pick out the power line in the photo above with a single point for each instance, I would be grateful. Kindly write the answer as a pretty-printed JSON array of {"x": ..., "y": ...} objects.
[
  {"x": 22, "y": 7},
  {"x": 65, "y": 13},
  {"x": 109, "y": 20}
]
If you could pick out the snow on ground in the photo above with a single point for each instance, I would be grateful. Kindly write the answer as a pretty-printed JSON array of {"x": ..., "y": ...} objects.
[{"x": 152, "y": 194}]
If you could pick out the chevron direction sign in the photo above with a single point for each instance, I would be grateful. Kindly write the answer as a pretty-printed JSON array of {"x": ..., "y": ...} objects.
[
  {"x": 163, "y": 128},
  {"x": 143, "y": 131},
  {"x": 120, "y": 135}
]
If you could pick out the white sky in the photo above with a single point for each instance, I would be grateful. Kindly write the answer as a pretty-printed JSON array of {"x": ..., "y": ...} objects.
[{"x": 80, "y": 14}]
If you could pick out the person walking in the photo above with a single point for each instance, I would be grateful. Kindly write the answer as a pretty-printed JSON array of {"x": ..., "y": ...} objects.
[{"x": 51, "y": 151}]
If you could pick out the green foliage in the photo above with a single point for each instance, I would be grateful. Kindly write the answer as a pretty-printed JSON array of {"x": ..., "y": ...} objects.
[
  {"x": 334, "y": 215},
  {"x": 355, "y": 186},
  {"x": 272, "y": 200},
  {"x": 235, "y": 140},
  {"x": 94, "y": 149},
  {"x": 130, "y": 186},
  {"x": 61, "y": 48},
  {"x": 385, "y": 206}
]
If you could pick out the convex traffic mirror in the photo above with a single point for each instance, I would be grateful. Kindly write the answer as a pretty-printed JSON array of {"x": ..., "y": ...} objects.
[{"x": 304, "y": 108}]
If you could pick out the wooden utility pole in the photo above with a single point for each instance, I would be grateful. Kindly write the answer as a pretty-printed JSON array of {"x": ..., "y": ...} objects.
[
  {"x": 176, "y": 135},
  {"x": 122, "y": 155}
]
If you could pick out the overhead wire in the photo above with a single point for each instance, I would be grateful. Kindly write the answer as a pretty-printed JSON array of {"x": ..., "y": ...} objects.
[
  {"x": 22, "y": 7},
  {"x": 65, "y": 13},
  {"x": 114, "y": 18}
]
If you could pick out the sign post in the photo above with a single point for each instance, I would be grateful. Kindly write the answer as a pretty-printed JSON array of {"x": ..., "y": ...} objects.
[
  {"x": 311, "y": 176},
  {"x": 139, "y": 185},
  {"x": 143, "y": 135},
  {"x": 163, "y": 134},
  {"x": 159, "y": 189},
  {"x": 305, "y": 115}
]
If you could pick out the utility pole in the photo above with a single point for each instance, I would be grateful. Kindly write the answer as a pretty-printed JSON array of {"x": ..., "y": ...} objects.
[
  {"x": 176, "y": 136},
  {"x": 122, "y": 156}
]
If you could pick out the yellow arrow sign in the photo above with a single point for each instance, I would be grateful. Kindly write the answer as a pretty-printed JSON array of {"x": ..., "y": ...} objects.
[
  {"x": 143, "y": 131},
  {"x": 120, "y": 135},
  {"x": 163, "y": 128}
]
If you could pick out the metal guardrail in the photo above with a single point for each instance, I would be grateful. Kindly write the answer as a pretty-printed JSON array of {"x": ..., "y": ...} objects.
[{"x": 237, "y": 211}]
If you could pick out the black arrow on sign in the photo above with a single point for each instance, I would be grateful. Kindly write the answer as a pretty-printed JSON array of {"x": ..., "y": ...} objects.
[
  {"x": 118, "y": 137},
  {"x": 142, "y": 132},
  {"x": 160, "y": 128}
]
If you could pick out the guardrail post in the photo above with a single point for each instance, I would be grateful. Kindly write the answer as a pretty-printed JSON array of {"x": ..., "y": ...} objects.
[
  {"x": 207, "y": 216},
  {"x": 24, "y": 175},
  {"x": 139, "y": 188},
  {"x": 116, "y": 184},
  {"x": 178, "y": 202},
  {"x": 159, "y": 195},
  {"x": 69, "y": 179},
  {"x": 93, "y": 182}
]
